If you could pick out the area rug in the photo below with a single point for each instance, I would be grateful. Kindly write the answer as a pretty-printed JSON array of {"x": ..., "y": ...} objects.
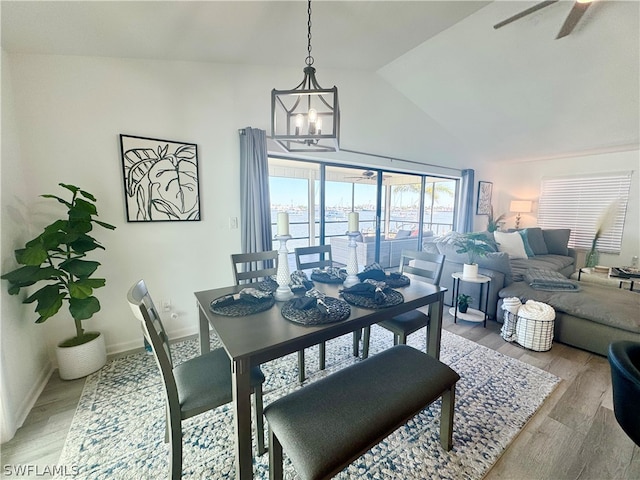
[{"x": 118, "y": 429}]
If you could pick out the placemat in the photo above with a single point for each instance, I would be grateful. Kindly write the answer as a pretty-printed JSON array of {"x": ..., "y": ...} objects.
[
  {"x": 326, "y": 278},
  {"x": 241, "y": 308},
  {"x": 397, "y": 281},
  {"x": 339, "y": 310},
  {"x": 393, "y": 298}
]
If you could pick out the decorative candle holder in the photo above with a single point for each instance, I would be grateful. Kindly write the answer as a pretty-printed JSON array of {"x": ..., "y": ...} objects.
[
  {"x": 283, "y": 292},
  {"x": 352, "y": 261}
]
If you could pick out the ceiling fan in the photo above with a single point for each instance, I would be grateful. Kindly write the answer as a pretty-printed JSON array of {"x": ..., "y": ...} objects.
[
  {"x": 576, "y": 13},
  {"x": 368, "y": 175}
]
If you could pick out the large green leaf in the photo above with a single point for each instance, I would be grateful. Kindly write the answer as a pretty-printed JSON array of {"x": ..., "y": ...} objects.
[
  {"x": 84, "y": 308},
  {"x": 79, "y": 227},
  {"x": 61, "y": 200},
  {"x": 28, "y": 275},
  {"x": 84, "y": 243},
  {"x": 33, "y": 255},
  {"x": 49, "y": 300},
  {"x": 105, "y": 225},
  {"x": 79, "y": 268},
  {"x": 83, "y": 288},
  {"x": 82, "y": 209}
]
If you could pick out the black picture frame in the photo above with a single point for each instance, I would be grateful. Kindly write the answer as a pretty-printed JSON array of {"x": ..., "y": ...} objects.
[
  {"x": 161, "y": 181},
  {"x": 483, "y": 204}
]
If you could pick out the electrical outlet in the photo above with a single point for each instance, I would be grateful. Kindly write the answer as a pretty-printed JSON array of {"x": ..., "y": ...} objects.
[
  {"x": 166, "y": 305},
  {"x": 233, "y": 223}
]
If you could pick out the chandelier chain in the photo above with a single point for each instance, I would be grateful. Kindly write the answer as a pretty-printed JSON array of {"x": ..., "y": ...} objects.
[{"x": 309, "y": 59}]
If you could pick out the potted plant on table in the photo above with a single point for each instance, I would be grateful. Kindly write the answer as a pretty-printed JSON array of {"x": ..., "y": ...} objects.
[
  {"x": 474, "y": 245},
  {"x": 57, "y": 258},
  {"x": 463, "y": 302}
]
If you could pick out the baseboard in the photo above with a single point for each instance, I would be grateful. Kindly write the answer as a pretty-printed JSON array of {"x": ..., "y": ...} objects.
[
  {"x": 135, "y": 346},
  {"x": 33, "y": 395}
]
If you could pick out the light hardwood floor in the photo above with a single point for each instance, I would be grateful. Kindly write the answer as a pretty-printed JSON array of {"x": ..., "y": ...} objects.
[{"x": 574, "y": 435}]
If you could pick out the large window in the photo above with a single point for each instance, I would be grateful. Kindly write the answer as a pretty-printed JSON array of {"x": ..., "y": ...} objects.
[
  {"x": 391, "y": 204},
  {"x": 584, "y": 203}
]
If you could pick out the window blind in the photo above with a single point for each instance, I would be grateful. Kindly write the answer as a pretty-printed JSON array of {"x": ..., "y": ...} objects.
[{"x": 581, "y": 203}]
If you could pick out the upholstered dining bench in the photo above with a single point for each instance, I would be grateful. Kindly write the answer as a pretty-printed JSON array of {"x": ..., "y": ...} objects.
[{"x": 326, "y": 425}]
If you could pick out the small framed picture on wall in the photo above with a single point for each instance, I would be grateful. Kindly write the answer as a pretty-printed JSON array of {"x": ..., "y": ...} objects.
[
  {"x": 483, "y": 206},
  {"x": 160, "y": 179}
]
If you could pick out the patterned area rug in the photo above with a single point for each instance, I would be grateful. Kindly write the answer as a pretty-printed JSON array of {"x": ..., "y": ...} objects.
[{"x": 118, "y": 429}]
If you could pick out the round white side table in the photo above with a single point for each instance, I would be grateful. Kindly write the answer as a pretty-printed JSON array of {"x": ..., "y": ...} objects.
[{"x": 471, "y": 315}]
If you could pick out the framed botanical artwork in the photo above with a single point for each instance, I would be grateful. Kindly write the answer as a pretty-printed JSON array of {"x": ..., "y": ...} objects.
[
  {"x": 483, "y": 206},
  {"x": 160, "y": 179}
]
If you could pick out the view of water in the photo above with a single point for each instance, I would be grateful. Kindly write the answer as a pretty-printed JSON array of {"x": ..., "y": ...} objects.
[{"x": 336, "y": 223}]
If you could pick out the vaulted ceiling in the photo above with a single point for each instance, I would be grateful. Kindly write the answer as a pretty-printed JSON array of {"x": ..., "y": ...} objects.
[{"x": 507, "y": 94}]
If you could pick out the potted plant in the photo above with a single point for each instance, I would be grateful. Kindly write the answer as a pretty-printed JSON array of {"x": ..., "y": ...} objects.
[
  {"x": 493, "y": 223},
  {"x": 474, "y": 245},
  {"x": 57, "y": 259},
  {"x": 463, "y": 302}
]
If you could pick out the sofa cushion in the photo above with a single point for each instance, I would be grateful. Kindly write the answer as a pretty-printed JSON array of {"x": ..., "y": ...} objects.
[
  {"x": 609, "y": 306},
  {"x": 403, "y": 234},
  {"x": 557, "y": 240},
  {"x": 511, "y": 243},
  {"x": 555, "y": 263},
  {"x": 536, "y": 240},
  {"x": 525, "y": 242}
]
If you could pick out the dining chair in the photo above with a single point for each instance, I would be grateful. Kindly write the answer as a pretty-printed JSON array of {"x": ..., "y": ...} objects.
[
  {"x": 318, "y": 256},
  {"x": 624, "y": 359},
  {"x": 422, "y": 266},
  {"x": 308, "y": 258},
  {"x": 194, "y": 386},
  {"x": 249, "y": 267}
]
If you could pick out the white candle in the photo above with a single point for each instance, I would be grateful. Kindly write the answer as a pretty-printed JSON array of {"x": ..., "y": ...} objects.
[
  {"x": 283, "y": 223},
  {"x": 354, "y": 222}
]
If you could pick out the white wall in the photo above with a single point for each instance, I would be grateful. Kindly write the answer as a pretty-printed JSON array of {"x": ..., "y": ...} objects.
[
  {"x": 24, "y": 363},
  {"x": 70, "y": 111},
  {"x": 521, "y": 181}
]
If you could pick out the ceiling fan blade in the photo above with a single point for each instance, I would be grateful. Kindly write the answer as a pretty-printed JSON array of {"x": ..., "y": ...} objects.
[
  {"x": 573, "y": 18},
  {"x": 524, "y": 13}
]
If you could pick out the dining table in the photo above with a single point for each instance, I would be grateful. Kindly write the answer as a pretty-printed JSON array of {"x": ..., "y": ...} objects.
[{"x": 255, "y": 339}]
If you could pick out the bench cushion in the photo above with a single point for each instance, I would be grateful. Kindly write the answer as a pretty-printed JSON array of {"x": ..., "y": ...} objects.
[{"x": 330, "y": 422}]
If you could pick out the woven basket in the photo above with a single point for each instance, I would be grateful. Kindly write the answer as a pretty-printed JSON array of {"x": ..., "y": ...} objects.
[{"x": 534, "y": 334}]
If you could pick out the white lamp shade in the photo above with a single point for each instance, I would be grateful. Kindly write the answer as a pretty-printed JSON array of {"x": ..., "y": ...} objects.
[{"x": 520, "y": 206}]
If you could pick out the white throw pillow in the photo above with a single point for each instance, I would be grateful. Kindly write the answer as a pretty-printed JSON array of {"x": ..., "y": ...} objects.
[{"x": 511, "y": 243}]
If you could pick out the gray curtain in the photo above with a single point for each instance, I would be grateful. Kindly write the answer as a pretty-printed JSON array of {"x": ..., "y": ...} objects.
[
  {"x": 255, "y": 206},
  {"x": 465, "y": 212}
]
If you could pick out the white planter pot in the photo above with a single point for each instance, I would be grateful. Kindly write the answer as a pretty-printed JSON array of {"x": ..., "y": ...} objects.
[
  {"x": 81, "y": 360},
  {"x": 470, "y": 270}
]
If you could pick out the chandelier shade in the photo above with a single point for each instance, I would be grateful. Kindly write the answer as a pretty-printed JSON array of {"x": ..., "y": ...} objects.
[{"x": 307, "y": 117}]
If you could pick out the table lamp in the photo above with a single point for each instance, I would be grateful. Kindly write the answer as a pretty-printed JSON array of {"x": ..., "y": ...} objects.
[{"x": 518, "y": 207}]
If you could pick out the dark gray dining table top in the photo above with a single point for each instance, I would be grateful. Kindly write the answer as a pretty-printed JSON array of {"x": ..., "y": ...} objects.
[{"x": 267, "y": 335}]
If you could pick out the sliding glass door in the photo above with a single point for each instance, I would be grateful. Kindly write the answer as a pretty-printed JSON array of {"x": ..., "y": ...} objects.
[{"x": 397, "y": 210}]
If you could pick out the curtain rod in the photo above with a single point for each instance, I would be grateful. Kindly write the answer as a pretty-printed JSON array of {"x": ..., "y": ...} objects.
[{"x": 387, "y": 157}]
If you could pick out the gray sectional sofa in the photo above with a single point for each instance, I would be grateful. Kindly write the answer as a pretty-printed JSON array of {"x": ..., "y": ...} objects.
[
  {"x": 549, "y": 249},
  {"x": 590, "y": 318}
]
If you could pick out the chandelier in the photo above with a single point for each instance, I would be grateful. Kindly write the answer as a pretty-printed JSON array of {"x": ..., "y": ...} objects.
[{"x": 306, "y": 118}]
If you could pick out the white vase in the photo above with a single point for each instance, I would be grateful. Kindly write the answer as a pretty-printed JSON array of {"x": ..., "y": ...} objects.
[
  {"x": 470, "y": 270},
  {"x": 81, "y": 360}
]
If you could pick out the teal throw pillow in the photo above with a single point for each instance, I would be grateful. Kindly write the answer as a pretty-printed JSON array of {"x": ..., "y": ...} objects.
[
  {"x": 536, "y": 241},
  {"x": 525, "y": 241}
]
